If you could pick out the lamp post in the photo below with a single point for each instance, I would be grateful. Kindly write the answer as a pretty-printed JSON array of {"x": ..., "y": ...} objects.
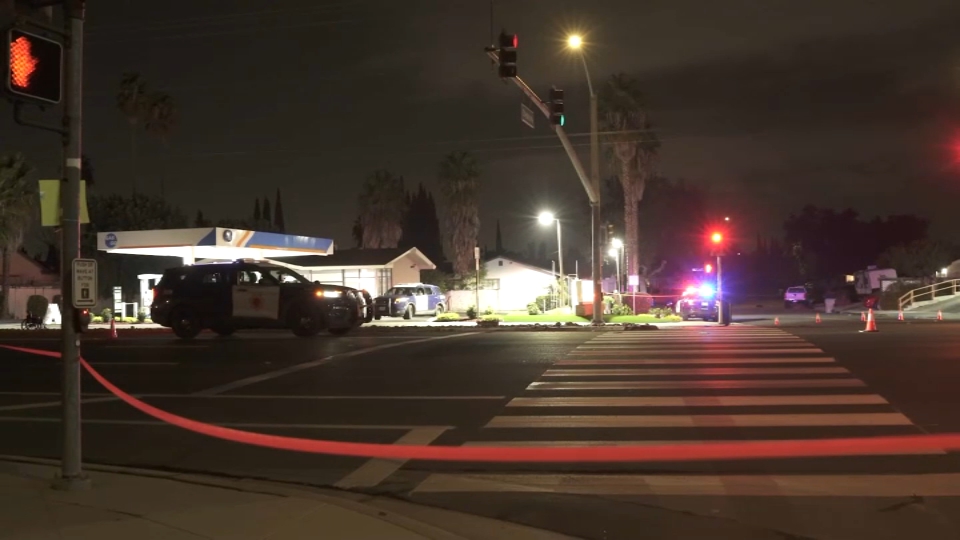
[
  {"x": 717, "y": 239},
  {"x": 616, "y": 251},
  {"x": 575, "y": 43},
  {"x": 546, "y": 218}
]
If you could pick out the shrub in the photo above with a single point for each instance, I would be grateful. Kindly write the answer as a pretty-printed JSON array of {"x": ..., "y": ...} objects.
[
  {"x": 472, "y": 312},
  {"x": 661, "y": 312},
  {"x": 37, "y": 305},
  {"x": 141, "y": 315},
  {"x": 533, "y": 308},
  {"x": 129, "y": 320},
  {"x": 448, "y": 316},
  {"x": 96, "y": 319},
  {"x": 106, "y": 314},
  {"x": 489, "y": 320},
  {"x": 488, "y": 311},
  {"x": 621, "y": 309}
]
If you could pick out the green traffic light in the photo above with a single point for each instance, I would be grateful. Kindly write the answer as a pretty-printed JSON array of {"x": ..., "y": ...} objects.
[{"x": 563, "y": 119}]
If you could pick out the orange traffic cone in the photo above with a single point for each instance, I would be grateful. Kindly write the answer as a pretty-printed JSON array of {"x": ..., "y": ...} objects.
[
  {"x": 817, "y": 319},
  {"x": 900, "y": 315},
  {"x": 113, "y": 328},
  {"x": 863, "y": 316},
  {"x": 939, "y": 315},
  {"x": 871, "y": 323},
  {"x": 776, "y": 321}
]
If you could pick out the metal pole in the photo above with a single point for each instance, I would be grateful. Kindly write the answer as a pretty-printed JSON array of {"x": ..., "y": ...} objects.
[
  {"x": 72, "y": 476},
  {"x": 720, "y": 317},
  {"x": 595, "y": 208},
  {"x": 563, "y": 277},
  {"x": 476, "y": 258}
]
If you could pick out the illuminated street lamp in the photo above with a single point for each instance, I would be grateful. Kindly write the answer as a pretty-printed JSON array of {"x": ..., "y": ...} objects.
[
  {"x": 575, "y": 41},
  {"x": 546, "y": 218}
]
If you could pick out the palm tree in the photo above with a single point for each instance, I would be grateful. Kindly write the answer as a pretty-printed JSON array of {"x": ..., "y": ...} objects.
[
  {"x": 132, "y": 102},
  {"x": 383, "y": 205},
  {"x": 161, "y": 117},
  {"x": 634, "y": 153},
  {"x": 460, "y": 186},
  {"x": 18, "y": 199}
]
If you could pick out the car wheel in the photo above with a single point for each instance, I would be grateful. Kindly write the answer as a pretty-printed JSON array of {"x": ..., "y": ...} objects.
[
  {"x": 185, "y": 323},
  {"x": 224, "y": 330},
  {"x": 408, "y": 313},
  {"x": 376, "y": 317},
  {"x": 304, "y": 322},
  {"x": 340, "y": 331},
  {"x": 440, "y": 309},
  {"x": 685, "y": 317}
]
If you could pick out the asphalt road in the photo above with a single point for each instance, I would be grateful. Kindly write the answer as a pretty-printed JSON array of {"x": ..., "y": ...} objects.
[{"x": 801, "y": 380}]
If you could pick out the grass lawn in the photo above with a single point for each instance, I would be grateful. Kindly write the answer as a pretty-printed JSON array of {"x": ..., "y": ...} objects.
[{"x": 551, "y": 318}]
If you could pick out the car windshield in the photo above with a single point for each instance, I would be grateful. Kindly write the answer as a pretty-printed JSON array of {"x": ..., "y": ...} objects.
[
  {"x": 796, "y": 290},
  {"x": 270, "y": 276},
  {"x": 401, "y": 291}
]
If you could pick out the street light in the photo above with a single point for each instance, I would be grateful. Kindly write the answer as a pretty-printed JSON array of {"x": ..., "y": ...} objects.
[
  {"x": 546, "y": 218},
  {"x": 575, "y": 43}
]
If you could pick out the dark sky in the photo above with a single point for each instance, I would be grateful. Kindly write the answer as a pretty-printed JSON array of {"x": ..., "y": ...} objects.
[{"x": 766, "y": 105}]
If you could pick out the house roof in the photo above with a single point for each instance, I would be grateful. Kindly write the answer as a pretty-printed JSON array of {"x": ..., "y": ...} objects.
[
  {"x": 356, "y": 258},
  {"x": 521, "y": 263}
]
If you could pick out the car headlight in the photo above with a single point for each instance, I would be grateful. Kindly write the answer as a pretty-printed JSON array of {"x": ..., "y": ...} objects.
[{"x": 328, "y": 294}]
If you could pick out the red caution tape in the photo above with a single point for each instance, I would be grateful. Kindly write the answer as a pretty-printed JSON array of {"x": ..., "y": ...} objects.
[{"x": 666, "y": 452}]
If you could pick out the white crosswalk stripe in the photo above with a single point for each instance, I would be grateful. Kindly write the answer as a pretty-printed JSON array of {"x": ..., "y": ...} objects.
[{"x": 680, "y": 386}]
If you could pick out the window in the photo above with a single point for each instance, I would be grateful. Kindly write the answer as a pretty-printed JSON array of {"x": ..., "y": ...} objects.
[
  {"x": 213, "y": 278},
  {"x": 499, "y": 263},
  {"x": 420, "y": 291},
  {"x": 490, "y": 284}
]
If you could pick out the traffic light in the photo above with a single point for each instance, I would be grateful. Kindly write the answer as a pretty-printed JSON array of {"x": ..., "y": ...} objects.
[
  {"x": 34, "y": 66},
  {"x": 81, "y": 319},
  {"x": 716, "y": 238},
  {"x": 708, "y": 268},
  {"x": 508, "y": 55},
  {"x": 610, "y": 233},
  {"x": 557, "y": 117}
]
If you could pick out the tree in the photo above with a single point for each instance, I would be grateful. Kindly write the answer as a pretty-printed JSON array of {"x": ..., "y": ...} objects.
[
  {"x": 499, "y": 244},
  {"x": 357, "y": 232},
  {"x": 200, "y": 221},
  {"x": 421, "y": 228},
  {"x": 459, "y": 177},
  {"x": 383, "y": 205},
  {"x": 161, "y": 118},
  {"x": 634, "y": 152},
  {"x": 278, "y": 220},
  {"x": 256, "y": 210},
  {"x": 920, "y": 258},
  {"x": 132, "y": 101},
  {"x": 265, "y": 211},
  {"x": 87, "y": 171},
  {"x": 18, "y": 200}
]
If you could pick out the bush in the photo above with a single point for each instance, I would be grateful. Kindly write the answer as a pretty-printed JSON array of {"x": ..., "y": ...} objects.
[
  {"x": 448, "y": 316},
  {"x": 621, "y": 309},
  {"x": 128, "y": 320},
  {"x": 489, "y": 320},
  {"x": 96, "y": 319},
  {"x": 472, "y": 312},
  {"x": 141, "y": 315},
  {"x": 106, "y": 314},
  {"x": 488, "y": 311},
  {"x": 37, "y": 305},
  {"x": 661, "y": 313},
  {"x": 533, "y": 308}
]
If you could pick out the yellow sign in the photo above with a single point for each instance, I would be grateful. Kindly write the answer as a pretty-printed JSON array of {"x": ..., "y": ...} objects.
[{"x": 50, "y": 203}]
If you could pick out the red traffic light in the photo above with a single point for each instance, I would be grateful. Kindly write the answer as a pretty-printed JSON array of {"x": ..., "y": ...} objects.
[
  {"x": 716, "y": 238},
  {"x": 708, "y": 268},
  {"x": 34, "y": 66}
]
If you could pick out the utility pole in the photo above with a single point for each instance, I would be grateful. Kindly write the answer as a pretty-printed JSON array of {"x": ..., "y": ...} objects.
[
  {"x": 595, "y": 207},
  {"x": 72, "y": 476},
  {"x": 476, "y": 288}
]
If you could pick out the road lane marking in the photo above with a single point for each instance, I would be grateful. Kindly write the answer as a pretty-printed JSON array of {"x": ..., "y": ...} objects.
[
  {"x": 853, "y": 485},
  {"x": 713, "y": 384},
  {"x": 154, "y": 346},
  {"x": 567, "y": 444},
  {"x": 374, "y": 471},
  {"x": 705, "y": 372},
  {"x": 698, "y": 401},
  {"x": 243, "y": 425},
  {"x": 700, "y": 420},
  {"x": 650, "y": 361},
  {"x": 688, "y": 351},
  {"x": 331, "y": 398},
  {"x": 108, "y": 364},
  {"x": 314, "y": 363},
  {"x": 46, "y": 404}
]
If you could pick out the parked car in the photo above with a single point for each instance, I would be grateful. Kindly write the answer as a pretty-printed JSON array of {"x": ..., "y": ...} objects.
[
  {"x": 409, "y": 300},
  {"x": 699, "y": 302},
  {"x": 796, "y": 295}
]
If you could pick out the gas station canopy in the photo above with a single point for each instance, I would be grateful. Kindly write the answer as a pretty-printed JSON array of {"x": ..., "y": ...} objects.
[{"x": 216, "y": 243}]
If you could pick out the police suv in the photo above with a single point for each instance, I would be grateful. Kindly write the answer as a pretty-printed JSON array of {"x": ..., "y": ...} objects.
[{"x": 226, "y": 297}]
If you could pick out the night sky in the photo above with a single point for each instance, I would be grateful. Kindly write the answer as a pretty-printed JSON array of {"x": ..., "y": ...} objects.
[{"x": 766, "y": 105}]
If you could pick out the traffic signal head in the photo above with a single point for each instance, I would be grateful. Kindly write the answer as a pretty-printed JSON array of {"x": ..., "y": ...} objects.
[
  {"x": 508, "y": 55},
  {"x": 716, "y": 238},
  {"x": 708, "y": 268},
  {"x": 557, "y": 116},
  {"x": 34, "y": 66}
]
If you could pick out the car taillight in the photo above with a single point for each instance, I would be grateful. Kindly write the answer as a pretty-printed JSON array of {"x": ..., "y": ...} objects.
[{"x": 156, "y": 292}]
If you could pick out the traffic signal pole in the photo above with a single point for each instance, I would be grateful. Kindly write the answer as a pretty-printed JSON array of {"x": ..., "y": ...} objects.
[
  {"x": 72, "y": 476},
  {"x": 591, "y": 184}
]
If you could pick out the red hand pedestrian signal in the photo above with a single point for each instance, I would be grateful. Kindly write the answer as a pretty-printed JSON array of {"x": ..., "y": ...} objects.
[{"x": 34, "y": 66}]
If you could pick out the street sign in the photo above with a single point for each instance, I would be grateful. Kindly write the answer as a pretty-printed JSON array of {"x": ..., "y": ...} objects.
[
  {"x": 526, "y": 114},
  {"x": 633, "y": 280},
  {"x": 84, "y": 283}
]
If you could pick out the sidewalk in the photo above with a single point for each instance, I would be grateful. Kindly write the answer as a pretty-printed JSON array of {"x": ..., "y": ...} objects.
[{"x": 125, "y": 503}]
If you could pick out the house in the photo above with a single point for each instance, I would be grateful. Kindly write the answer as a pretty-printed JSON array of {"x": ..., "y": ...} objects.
[
  {"x": 29, "y": 277},
  {"x": 375, "y": 270},
  {"x": 518, "y": 283}
]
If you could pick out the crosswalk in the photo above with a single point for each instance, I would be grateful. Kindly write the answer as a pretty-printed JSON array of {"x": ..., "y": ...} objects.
[{"x": 690, "y": 385}]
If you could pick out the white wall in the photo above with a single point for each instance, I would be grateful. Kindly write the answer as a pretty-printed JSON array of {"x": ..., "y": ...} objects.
[
  {"x": 519, "y": 283},
  {"x": 19, "y": 296},
  {"x": 405, "y": 270},
  {"x": 459, "y": 301}
]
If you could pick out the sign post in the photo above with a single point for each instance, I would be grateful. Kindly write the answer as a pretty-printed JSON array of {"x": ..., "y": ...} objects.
[
  {"x": 84, "y": 283},
  {"x": 476, "y": 257}
]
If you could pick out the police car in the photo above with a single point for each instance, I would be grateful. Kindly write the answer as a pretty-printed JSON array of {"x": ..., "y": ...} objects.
[
  {"x": 410, "y": 299},
  {"x": 226, "y": 297},
  {"x": 699, "y": 302}
]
